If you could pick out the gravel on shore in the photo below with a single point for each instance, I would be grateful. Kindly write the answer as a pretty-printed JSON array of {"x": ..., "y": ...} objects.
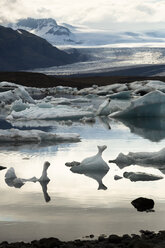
[{"x": 146, "y": 239}]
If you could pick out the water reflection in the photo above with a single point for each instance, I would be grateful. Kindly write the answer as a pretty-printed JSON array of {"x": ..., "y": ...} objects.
[
  {"x": 13, "y": 181},
  {"x": 44, "y": 190},
  {"x": 105, "y": 121},
  {"x": 152, "y": 129},
  {"x": 94, "y": 167},
  {"x": 96, "y": 175},
  {"x": 103, "y": 211}
]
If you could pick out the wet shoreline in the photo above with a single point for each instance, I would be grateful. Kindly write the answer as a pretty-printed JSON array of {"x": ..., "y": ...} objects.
[{"x": 146, "y": 239}]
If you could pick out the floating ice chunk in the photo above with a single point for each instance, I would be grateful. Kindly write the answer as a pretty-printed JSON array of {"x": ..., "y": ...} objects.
[
  {"x": 10, "y": 174},
  {"x": 16, "y": 94},
  {"x": 35, "y": 136},
  {"x": 122, "y": 160},
  {"x": 104, "y": 108},
  {"x": 121, "y": 88},
  {"x": 90, "y": 120},
  {"x": 8, "y": 96},
  {"x": 94, "y": 163},
  {"x": 24, "y": 95},
  {"x": 141, "y": 176},
  {"x": 44, "y": 105},
  {"x": 57, "y": 113},
  {"x": 103, "y": 90},
  {"x": 12, "y": 180},
  {"x": 6, "y": 84},
  {"x": 148, "y": 159},
  {"x": 116, "y": 177},
  {"x": 143, "y": 90},
  {"x": 151, "y": 104},
  {"x": 17, "y": 183},
  {"x": 94, "y": 167},
  {"x": 44, "y": 177},
  {"x": 136, "y": 84},
  {"x": 121, "y": 95},
  {"x": 156, "y": 85},
  {"x": 118, "y": 105},
  {"x": 73, "y": 163},
  {"x": 18, "y": 105}
]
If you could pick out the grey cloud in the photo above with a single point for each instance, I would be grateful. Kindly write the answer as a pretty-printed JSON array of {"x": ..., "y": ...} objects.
[
  {"x": 144, "y": 8},
  {"x": 44, "y": 11}
]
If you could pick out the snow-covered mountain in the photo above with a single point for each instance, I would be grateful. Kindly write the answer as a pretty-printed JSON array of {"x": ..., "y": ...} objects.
[
  {"x": 46, "y": 28},
  {"x": 66, "y": 34}
]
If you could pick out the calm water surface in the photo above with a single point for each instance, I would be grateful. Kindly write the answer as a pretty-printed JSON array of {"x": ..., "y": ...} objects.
[{"x": 77, "y": 208}]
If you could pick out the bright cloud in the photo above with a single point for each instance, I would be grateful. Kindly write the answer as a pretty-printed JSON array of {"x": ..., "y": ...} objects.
[{"x": 103, "y": 13}]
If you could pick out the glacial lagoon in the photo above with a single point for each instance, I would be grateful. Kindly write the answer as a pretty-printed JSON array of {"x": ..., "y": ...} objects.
[{"x": 70, "y": 206}]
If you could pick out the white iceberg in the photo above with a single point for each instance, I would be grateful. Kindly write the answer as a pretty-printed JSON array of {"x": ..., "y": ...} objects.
[
  {"x": 59, "y": 112},
  {"x": 103, "y": 90},
  {"x": 149, "y": 105},
  {"x": 136, "y": 84},
  {"x": 94, "y": 163},
  {"x": 94, "y": 167},
  {"x": 17, "y": 93},
  {"x": 18, "y": 105},
  {"x": 104, "y": 108},
  {"x": 8, "y": 84},
  {"x": 156, "y": 85},
  {"x": 16, "y": 136}
]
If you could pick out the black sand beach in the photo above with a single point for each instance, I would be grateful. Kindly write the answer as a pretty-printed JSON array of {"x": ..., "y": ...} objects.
[
  {"x": 146, "y": 239},
  {"x": 85, "y": 80}
]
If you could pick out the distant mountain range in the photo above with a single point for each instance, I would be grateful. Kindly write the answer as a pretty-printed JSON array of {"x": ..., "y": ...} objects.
[
  {"x": 21, "y": 50},
  {"x": 67, "y": 34},
  {"x": 48, "y": 29}
]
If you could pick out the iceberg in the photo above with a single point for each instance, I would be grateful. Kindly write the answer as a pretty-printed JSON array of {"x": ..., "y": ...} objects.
[
  {"x": 59, "y": 112},
  {"x": 103, "y": 90},
  {"x": 121, "y": 95},
  {"x": 146, "y": 159},
  {"x": 156, "y": 85},
  {"x": 16, "y": 136},
  {"x": 141, "y": 176},
  {"x": 94, "y": 163},
  {"x": 104, "y": 108},
  {"x": 149, "y": 105},
  {"x": 18, "y": 105},
  {"x": 17, "y": 93}
]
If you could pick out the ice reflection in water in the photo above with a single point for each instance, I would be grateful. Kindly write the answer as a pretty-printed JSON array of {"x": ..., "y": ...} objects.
[
  {"x": 13, "y": 181},
  {"x": 77, "y": 208},
  {"x": 148, "y": 128}
]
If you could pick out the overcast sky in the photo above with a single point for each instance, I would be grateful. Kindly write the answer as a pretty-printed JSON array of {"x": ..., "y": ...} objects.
[{"x": 108, "y": 14}]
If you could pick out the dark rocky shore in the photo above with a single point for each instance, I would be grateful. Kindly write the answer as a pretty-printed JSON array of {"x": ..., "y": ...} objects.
[
  {"x": 43, "y": 81},
  {"x": 146, "y": 239}
]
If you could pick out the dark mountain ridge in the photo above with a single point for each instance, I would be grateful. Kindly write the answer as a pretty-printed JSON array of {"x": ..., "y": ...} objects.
[{"x": 21, "y": 50}]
